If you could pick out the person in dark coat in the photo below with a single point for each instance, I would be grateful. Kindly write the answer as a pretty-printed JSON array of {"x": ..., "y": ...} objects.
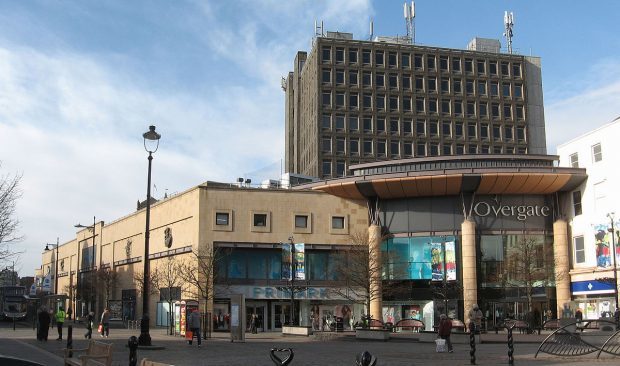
[
  {"x": 44, "y": 324},
  {"x": 90, "y": 318},
  {"x": 445, "y": 329}
]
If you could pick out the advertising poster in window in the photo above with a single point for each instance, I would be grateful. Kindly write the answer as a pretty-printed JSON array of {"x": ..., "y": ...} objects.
[
  {"x": 450, "y": 261},
  {"x": 183, "y": 319},
  {"x": 286, "y": 261},
  {"x": 437, "y": 262},
  {"x": 300, "y": 268},
  {"x": 603, "y": 246}
]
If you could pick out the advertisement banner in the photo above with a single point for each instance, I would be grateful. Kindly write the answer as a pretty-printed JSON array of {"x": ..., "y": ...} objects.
[
  {"x": 451, "y": 261},
  {"x": 437, "y": 264},
  {"x": 299, "y": 261},
  {"x": 603, "y": 242},
  {"x": 47, "y": 283},
  {"x": 286, "y": 261}
]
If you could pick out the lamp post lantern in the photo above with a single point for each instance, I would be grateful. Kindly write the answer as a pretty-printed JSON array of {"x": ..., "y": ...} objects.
[
  {"x": 47, "y": 245},
  {"x": 92, "y": 261},
  {"x": 611, "y": 217},
  {"x": 153, "y": 144}
]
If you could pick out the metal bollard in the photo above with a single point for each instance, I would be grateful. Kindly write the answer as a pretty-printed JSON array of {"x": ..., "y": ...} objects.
[
  {"x": 472, "y": 343},
  {"x": 511, "y": 360},
  {"x": 70, "y": 340},
  {"x": 277, "y": 360},
  {"x": 365, "y": 359},
  {"x": 132, "y": 343}
]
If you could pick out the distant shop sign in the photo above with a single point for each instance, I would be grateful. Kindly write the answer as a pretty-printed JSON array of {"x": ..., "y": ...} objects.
[
  {"x": 283, "y": 293},
  {"x": 520, "y": 212}
]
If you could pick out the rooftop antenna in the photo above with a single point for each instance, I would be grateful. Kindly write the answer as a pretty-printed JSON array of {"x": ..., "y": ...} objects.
[
  {"x": 508, "y": 24},
  {"x": 372, "y": 29},
  {"x": 409, "y": 12},
  {"x": 318, "y": 29}
]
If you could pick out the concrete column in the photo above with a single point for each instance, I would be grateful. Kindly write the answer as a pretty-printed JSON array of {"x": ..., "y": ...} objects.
[
  {"x": 376, "y": 291},
  {"x": 468, "y": 263},
  {"x": 560, "y": 254}
]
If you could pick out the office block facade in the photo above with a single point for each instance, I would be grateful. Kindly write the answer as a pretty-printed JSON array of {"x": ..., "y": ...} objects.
[{"x": 350, "y": 101}]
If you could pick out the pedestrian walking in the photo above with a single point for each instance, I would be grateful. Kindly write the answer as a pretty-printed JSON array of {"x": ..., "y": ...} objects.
[
  {"x": 475, "y": 319},
  {"x": 194, "y": 326},
  {"x": 445, "y": 329},
  {"x": 105, "y": 322},
  {"x": 90, "y": 318},
  {"x": 44, "y": 324},
  {"x": 60, "y": 320},
  {"x": 254, "y": 323}
]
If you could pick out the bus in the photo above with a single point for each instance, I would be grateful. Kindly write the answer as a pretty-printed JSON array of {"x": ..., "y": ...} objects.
[{"x": 13, "y": 302}]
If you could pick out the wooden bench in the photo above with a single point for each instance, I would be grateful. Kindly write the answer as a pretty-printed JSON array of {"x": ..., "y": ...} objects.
[
  {"x": 456, "y": 325},
  {"x": 97, "y": 353},
  {"x": 412, "y": 324},
  {"x": 551, "y": 324},
  {"x": 147, "y": 362}
]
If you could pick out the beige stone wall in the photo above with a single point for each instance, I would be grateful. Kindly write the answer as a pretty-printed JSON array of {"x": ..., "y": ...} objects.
[{"x": 191, "y": 218}]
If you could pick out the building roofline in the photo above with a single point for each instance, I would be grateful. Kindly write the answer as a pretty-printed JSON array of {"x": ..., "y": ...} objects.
[{"x": 606, "y": 125}]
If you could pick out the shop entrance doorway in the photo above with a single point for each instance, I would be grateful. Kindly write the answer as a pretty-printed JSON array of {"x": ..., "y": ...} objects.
[
  {"x": 281, "y": 313},
  {"x": 258, "y": 308}
]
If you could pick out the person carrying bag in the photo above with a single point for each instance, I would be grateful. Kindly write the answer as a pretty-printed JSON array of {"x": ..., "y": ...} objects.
[{"x": 444, "y": 331}]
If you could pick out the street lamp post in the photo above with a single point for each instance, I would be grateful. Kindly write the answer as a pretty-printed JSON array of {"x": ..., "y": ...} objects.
[
  {"x": 293, "y": 270},
  {"x": 153, "y": 138},
  {"x": 610, "y": 216},
  {"x": 92, "y": 262},
  {"x": 47, "y": 245}
]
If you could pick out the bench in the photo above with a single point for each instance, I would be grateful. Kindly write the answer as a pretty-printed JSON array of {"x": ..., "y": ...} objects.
[
  {"x": 456, "y": 324},
  {"x": 411, "y": 324},
  {"x": 97, "y": 353},
  {"x": 551, "y": 324},
  {"x": 147, "y": 362}
]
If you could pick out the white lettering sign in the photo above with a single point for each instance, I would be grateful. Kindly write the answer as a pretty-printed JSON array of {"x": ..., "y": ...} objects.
[{"x": 521, "y": 212}]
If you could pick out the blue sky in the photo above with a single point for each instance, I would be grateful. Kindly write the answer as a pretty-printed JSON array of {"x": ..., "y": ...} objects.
[{"x": 80, "y": 81}]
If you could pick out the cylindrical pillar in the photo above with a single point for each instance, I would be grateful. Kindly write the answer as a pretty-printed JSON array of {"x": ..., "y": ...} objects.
[
  {"x": 560, "y": 255},
  {"x": 376, "y": 293},
  {"x": 468, "y": 260}
]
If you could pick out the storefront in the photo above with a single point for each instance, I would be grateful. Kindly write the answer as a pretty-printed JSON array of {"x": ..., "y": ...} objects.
[
  {"x": 595, "y": 298},
  {"x": 316, "y": 307}
]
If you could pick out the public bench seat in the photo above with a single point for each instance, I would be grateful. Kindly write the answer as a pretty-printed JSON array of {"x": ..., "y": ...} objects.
[
  {"x": 457, "y": 324},
  {"x": 97, "y": 353},
  {"x": 413, "y": 325}
]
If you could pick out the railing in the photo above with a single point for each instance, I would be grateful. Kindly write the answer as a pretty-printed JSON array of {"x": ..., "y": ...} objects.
[{"x": 133, "y": 324}]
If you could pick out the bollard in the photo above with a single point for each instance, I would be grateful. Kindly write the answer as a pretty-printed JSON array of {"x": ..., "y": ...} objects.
[
  {"x": 365, "y": 359},
  {"x": 511, "y": 360},
  {"x": 70, "y": 340},
  {"x": 277, "y": 360},
  {"x": 132, "y": 343},
  {"x": 472, "y": 343}
]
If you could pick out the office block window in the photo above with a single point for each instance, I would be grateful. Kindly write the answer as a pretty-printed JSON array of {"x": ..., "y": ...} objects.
[
  {"x": 458, "y": 129},
  {"x": 483, "y": 109},
  {"x": 484, "y": 131},
  {"x": 368, "y": 147},
  {"x": 353, "y": 55},
  {"x": 260, "y": 220},
  {"x": 327, "y": 99},
  {"x": 394, "y": 124},
  {"x": 354, "y": 146},
  {"x": 392, "y": 57},
  {"x": 381, "y": 148},
  {"x": 457, "y": 86},
  {"x": 408, "y": 149},
  {"x": 456, "y": 64},
  {"x": 340, "y": 122},
  {"x": 394, "y": 148},
  {"x": 366, "y": 57},
  {"x": 340, "y": 141},
  {"x": 597, "y": 153},
  {"x": 340, "y": 168},
  {"x": 353, "y": 100},
  {"x": 339, "y": 55},
  {"x": 443, "y": 63},
  {"x": 354, "y": 123},
  {"x": 421, "y": 149},
  {"x": 577, "y": 203},
  {"x": 326, "y": 168},
  {"x": 339, "y": 77},
  {"x": 326, "y": 122},
  {"x": 417, "y": 62},
  {"x": 516, "y": 70},
  {"x": 420, "y": 128},
  {"x": 353, "y": 79},
  {"x": 326, "y": 53},
  {"x": 337, "y": 222},
  {"x": 327, "y": 76},
  {"x": 469, "y": 65},
  {"x": 406, "y": 82},
  {"x": 445, "y": 85},
  {"x": 326, "y": 144},
  {"x": 366, "y": 79},
  {"x": 405, "y": 60},
  {"x": 493, "y": 67},
  {"x": 481, "y": 67},
  {"x": 222, "y": 218},
  {"x": 574, "y": 160},
  {"x": 447, "y": 129},
  {"x": 447, "y": 149},
  {"x": 434, "y": 149},
  {"x": 430, "y": 62},
  {"x": 380, "y": 80},
  {"x": 380, "y": 101},
  {"x": 380, "y": 124},
  {"x": 580, "y": 251},
  {"x": 408, "y": 127},
  {"x": 379, "y": 60},
  {"x": 367, "y": 124},
  {"x": 301, "y": 221}
]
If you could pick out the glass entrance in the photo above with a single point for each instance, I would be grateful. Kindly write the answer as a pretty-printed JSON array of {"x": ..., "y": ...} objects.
[
  {"x": 281, "y": 314},
  {"x": 258, "y": 308}
]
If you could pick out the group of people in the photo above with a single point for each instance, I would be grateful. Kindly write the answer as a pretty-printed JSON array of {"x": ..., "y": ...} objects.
[{"x": 45, "y": 316}]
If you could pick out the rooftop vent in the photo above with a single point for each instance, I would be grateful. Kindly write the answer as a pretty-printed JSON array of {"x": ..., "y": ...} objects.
[
  {"x": 340, "y": 35},
  {"x": 484, "y": 45}
]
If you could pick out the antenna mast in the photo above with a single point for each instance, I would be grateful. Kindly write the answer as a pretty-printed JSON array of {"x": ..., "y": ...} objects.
[
  {"x": 508, "y": 24},
  {"x": 409, "y": 12},
  {"x": 318, "y": 29}
]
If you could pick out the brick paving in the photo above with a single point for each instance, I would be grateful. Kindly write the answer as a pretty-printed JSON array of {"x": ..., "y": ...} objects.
[{"x": 338, "y": 349}]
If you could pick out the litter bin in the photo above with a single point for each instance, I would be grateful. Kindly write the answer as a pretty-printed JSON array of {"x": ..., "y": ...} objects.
[{"x": 339, "y": 324}]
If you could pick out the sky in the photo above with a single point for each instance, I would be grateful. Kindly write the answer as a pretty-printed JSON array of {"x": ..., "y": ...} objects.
[{"x": 80, "y": 81}]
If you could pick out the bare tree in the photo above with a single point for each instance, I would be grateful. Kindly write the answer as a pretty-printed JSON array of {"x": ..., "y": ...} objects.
[
  {"x": 530, "y": 265},
  {"x": 106, "y": 281},
  {"x": 200, "y": 273},
  {"x": 9, "y": 194},
  {"x": 358, "y": 266},
  {"x": 168, "y": 278},
  {"x": 138, "y": 277}
]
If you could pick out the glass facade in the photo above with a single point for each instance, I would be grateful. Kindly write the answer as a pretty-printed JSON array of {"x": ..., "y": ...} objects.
[{"x": 419, "y": 258}]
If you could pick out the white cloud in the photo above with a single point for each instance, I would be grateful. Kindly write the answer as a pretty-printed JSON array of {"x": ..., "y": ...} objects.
[{"x": 594, "y": 104}]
